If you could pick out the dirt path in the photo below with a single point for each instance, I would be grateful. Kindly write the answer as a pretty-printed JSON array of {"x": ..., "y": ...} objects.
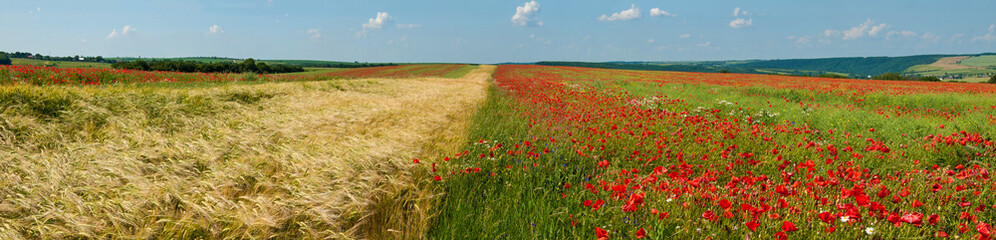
[{"x": 951, "y": 63}]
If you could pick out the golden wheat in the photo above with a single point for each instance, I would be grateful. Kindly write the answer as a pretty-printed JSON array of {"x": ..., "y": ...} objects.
[{"x": 313, "y": 160}]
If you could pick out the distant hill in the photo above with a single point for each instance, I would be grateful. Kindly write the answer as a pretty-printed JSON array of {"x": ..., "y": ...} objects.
[
  {"x": 855, "y": 67},
  {"x": 858, "y": 66},
  {"x": 651, "y": 66}
]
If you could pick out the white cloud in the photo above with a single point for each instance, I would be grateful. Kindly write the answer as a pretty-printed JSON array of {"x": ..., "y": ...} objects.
[
  {"x": 408, "y": 26},
  {"x": 657, "y": 12},
  {"x": 930, "y": 37},
  {"x": 989, "y": 37},
  {"x": 903, "y": 33},
  {"x": 379, "y": 21},
  {"x": 650, "y": 40},
  {"x": 685, "y": 35},
  {"x": 124, "y": 31},
  {"x": 741, "y": 23},
  {"x": 877, "y": 29},
  {"x": 801, "y": 40},
  {"x": 585, "y": 38},
  {"x": 737, "y": 12},
  {"x": 628, "y": 14},
  {"x": 526, "y": 15},
  {"x": 215, "y": 29},
  {"x": 868, "y": 28},
  {"x": 705, "y": 44},
  {"x": 314, "y": 33}
]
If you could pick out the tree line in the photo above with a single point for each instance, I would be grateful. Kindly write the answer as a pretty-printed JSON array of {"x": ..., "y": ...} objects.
[
  {"x": 39, "y": 56},
  {"x": 246, "y": 66},
  {"x": 900, "y": 77},
  {"x": 318, "y": 64}
]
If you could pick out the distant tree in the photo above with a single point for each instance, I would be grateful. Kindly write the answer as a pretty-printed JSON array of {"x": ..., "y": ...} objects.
[
  {"x": 890, "y": 76},
  {"x": 992, "y": 79},
  {"x": 930, "y": 79},
  {"x": 724, "y": 71},
  {"x": 4, "y": 59},
  {"x": 831, "y": 75},
  {"x": 249, "y": 65}
]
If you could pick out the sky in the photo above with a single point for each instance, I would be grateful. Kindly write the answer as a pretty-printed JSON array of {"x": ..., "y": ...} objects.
[{"x": 497, "y": 31}]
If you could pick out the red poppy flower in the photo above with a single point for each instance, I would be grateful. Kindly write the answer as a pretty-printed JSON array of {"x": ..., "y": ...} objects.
[
  {"x": 829, "y": 229},
  {"x": 826, "y": 217},
  {"x": 640, "y": 233},
  {"x": 789, "y": 227},
  {"x": 917, "y": 203},
  {"x": 438, "y": 178},
  {"x": 884, "y": 192},
  {"x": 752, "y": 225},
  {"x": 725, "y": 204},
  {"x": 914, "y": 218},
  {"x": 601, "y": 233},
  {"x": 984, "y": 230},
  {"x": 709, "y": 215},
  {"x": 894, "y": 218},
  {"x": 781, "y": 236},
  {"x": 933, "y": 219}
]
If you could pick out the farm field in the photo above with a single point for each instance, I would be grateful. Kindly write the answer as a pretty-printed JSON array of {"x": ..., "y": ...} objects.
[
  {"x": 155, "y": 155},
  {"x": 973, "y": 67},
  {"x": 980, "y": 61},
  {"x": 59, "y": 64},
  {"x": 578, "y": 153}
]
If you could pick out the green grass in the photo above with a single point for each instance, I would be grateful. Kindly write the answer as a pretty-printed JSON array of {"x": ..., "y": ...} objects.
[
  {"x": 980, "y": 61},
  {"x": 506, "y": 205},
  {"x": 58, "y": 64},
  {"x": 460, "y": 72}
]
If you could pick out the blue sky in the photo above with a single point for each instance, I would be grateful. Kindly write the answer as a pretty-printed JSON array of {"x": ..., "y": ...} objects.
[{"x": 491, "y": 31}]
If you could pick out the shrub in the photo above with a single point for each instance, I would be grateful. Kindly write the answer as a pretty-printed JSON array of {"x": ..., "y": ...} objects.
[{"x": 4, "y": 59}]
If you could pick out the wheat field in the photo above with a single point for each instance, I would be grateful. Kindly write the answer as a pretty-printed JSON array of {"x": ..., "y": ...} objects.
[{"x": 311, "y": 160}]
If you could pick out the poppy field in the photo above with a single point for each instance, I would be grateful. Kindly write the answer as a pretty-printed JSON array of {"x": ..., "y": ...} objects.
[
  {"x": 578, "y": 153},
  {"x": 43, "y": 76}
]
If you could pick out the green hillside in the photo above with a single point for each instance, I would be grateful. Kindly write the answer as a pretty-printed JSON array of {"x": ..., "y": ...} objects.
[
  {"x": 650, "y": 66},
  {"x": 858, "y": 66}
]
